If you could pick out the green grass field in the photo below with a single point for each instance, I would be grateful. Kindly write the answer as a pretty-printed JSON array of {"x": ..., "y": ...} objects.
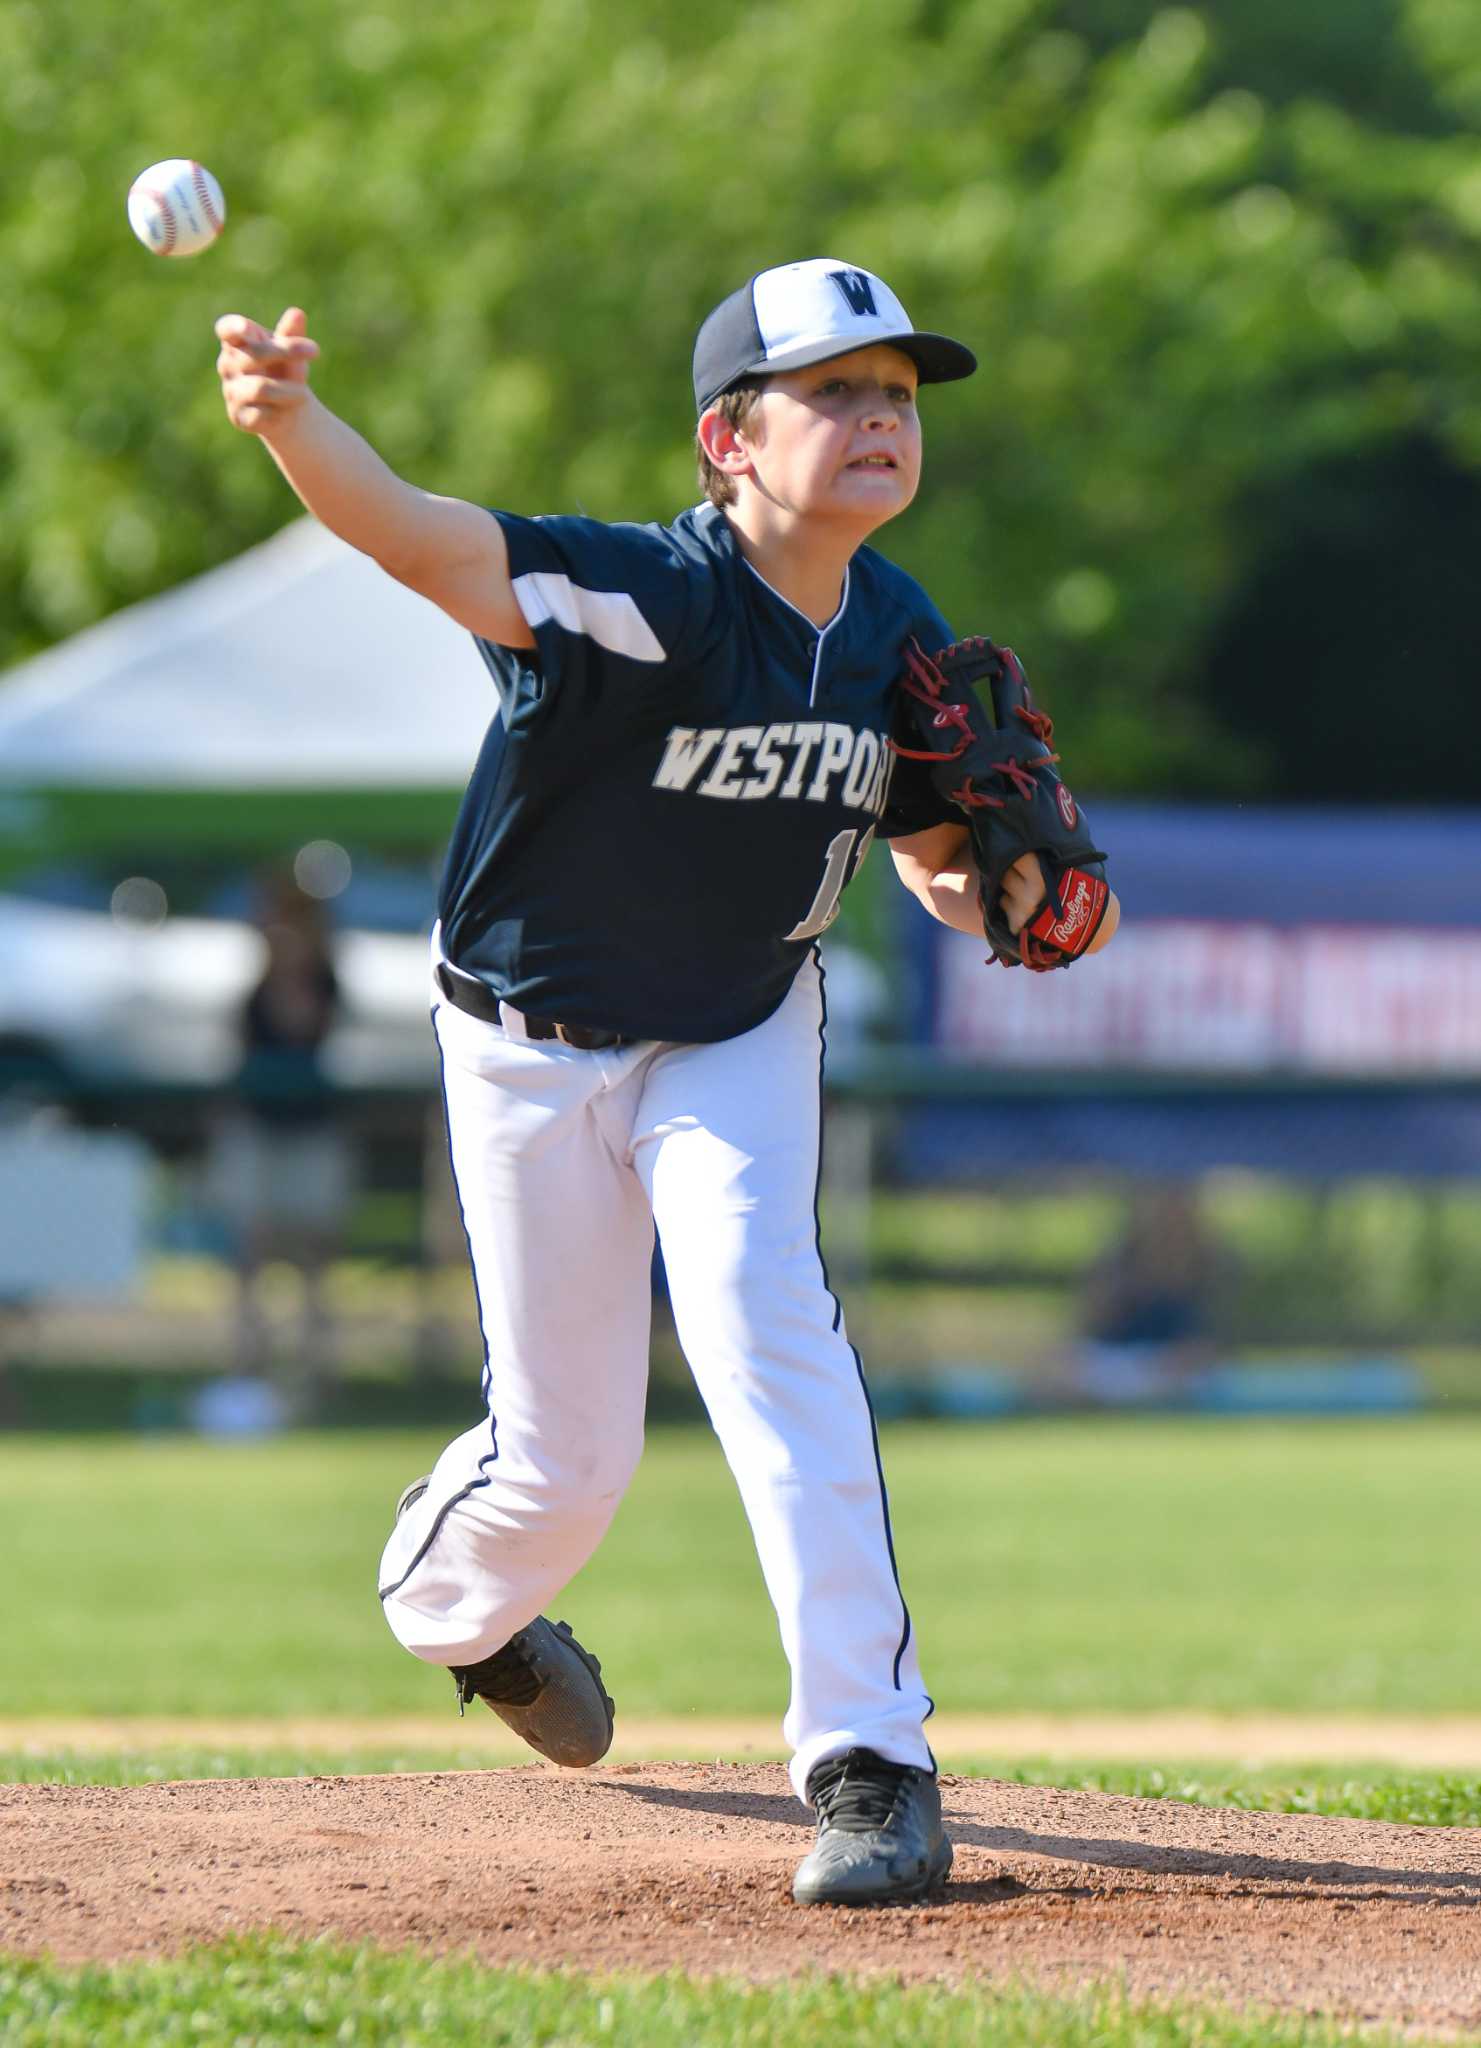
[
  {"x": 260, "y": 1991},
  {"x": 1117, "y": 1565}
]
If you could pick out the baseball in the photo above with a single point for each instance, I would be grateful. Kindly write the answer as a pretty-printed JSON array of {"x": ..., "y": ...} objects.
[{"x": 176, "y": 207}]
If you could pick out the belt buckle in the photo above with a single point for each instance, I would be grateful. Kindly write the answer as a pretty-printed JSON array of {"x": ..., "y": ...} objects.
[{"x": 560, "y": 1032}]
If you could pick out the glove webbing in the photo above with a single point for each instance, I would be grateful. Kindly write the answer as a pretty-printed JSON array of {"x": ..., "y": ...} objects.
[{"x": 925, "y": 682}]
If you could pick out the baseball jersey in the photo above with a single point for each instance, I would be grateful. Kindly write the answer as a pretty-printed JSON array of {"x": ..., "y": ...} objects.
[{"x": 682, "y": 775}]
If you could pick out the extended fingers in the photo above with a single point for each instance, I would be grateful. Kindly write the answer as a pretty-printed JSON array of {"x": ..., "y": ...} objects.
[
  {"x": 265, "y": 391},
  {"x": 237, "y": 328},
  {"x": 251, "y": 341},
  {"x": 258, "y": 404},
  {"x": 264, "y": 375},
  {"x": 235, "y": 363}
]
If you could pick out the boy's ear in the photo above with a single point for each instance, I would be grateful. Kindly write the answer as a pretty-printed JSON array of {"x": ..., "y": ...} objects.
[{"x": 723, "y": 443}]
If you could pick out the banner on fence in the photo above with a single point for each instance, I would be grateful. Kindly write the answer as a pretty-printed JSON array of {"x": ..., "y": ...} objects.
[
  {"x": 1178, "y": 994},
  {"x": 1252, "y": 941}
]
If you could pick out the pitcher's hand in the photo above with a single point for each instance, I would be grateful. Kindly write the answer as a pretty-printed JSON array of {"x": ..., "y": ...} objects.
[{"x": 264, "y": 375}]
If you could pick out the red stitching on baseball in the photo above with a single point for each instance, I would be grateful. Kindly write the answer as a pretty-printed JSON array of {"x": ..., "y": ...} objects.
[
  {"x": 168, "y": 223},
  {"x": 203, "y": 193}
]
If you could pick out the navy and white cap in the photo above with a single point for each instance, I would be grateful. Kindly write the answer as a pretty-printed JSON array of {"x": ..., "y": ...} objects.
[{"x": 803, "y": 313}]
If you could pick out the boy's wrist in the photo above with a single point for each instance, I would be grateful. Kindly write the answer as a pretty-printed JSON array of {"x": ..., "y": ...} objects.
[{"x": 291, "y": 423}]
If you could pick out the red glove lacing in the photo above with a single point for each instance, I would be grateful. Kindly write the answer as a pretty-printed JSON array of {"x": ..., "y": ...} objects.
[{"x": 924, "y": 681}]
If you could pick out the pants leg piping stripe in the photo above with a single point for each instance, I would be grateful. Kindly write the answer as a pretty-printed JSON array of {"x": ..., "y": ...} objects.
[
  {"x": 488, "y": 1370},
  {"x": 492, "y": 1453},
  {"x": 884, "y": 1498},
  {"x": 436, "y": 1529}
]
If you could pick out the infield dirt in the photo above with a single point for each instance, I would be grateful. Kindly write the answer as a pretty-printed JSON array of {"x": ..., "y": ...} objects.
[{"x": 657, "y": 1866}]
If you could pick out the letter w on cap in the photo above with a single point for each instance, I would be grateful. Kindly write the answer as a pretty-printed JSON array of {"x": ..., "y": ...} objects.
[{"x": 857, "y": 289}]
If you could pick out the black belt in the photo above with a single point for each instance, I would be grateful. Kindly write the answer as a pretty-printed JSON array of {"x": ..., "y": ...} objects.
[{"x": 464, "y": 993}]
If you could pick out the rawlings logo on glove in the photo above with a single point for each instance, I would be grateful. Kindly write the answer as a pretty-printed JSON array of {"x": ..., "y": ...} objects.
[
  {"x": 997, "y": 766},
  {"x": 1059, "y": 933}
]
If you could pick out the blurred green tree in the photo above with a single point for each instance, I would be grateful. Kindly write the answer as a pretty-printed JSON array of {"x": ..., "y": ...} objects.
[{"x": 1212, "y": 258}]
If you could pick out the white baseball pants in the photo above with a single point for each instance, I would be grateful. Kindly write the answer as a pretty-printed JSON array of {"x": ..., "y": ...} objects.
[{"x": 564, "y": 1162}]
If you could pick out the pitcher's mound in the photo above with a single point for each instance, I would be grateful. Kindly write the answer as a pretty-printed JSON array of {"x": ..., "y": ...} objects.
[{"x": 662, "y": 1866}]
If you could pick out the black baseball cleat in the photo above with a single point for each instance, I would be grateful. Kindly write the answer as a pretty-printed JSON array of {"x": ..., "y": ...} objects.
[
  {"x": 542, "y": 1684},
  {"x": 879, "y": 1833}
]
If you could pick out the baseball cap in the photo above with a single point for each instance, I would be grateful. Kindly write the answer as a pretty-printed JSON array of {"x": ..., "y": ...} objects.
[{"x": 802, "y": 313}]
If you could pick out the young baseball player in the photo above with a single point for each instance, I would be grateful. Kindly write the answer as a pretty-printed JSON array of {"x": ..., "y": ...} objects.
[{"x": 687, "y": 763}]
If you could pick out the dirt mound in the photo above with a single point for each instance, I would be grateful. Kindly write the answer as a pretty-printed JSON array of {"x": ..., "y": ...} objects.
[{"x": 651, "y": 1866}]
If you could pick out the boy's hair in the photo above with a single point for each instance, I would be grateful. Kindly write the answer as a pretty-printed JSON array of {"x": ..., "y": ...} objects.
[{"x": 735, "y": 407}]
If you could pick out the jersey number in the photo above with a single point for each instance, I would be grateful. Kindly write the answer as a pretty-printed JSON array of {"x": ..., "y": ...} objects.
[{"x": 838, "y": 867}]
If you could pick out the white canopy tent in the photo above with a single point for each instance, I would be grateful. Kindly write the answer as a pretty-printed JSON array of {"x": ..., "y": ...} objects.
[{"x": 296, "y": 692}]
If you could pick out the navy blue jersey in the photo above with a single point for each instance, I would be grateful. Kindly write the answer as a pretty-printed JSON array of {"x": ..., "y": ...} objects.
[{"x": 682, "y": 775}]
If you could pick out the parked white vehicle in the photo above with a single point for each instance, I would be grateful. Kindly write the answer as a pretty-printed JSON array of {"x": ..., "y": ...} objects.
[{"x": 161, "y": 1003}]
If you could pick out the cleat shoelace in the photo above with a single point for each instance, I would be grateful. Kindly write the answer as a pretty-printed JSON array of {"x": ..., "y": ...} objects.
[
  {"x": 506, "y": 1676},
  {"x": 857, "y": 1795}
]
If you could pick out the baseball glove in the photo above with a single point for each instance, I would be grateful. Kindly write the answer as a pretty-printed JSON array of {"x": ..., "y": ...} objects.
[{"x": 993, "y": 760}]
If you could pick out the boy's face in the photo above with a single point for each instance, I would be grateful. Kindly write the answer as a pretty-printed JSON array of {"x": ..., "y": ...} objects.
[{"x": 839, "y": 440}]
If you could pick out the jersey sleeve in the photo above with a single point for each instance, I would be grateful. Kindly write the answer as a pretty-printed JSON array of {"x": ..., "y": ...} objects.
[
  {"x": 914, "y": 804},
  {"x": 608, "y": 605}
]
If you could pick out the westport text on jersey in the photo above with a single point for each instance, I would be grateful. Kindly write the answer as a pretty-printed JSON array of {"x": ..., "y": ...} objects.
[{"x": 816, "y": 760}]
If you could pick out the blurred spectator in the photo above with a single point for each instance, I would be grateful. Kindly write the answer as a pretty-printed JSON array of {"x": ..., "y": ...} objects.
[
  {"x": 1150, "y": 1304},
  {"x": 32, "y": 1073},
  {"x": 281, "y": 1162}
]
